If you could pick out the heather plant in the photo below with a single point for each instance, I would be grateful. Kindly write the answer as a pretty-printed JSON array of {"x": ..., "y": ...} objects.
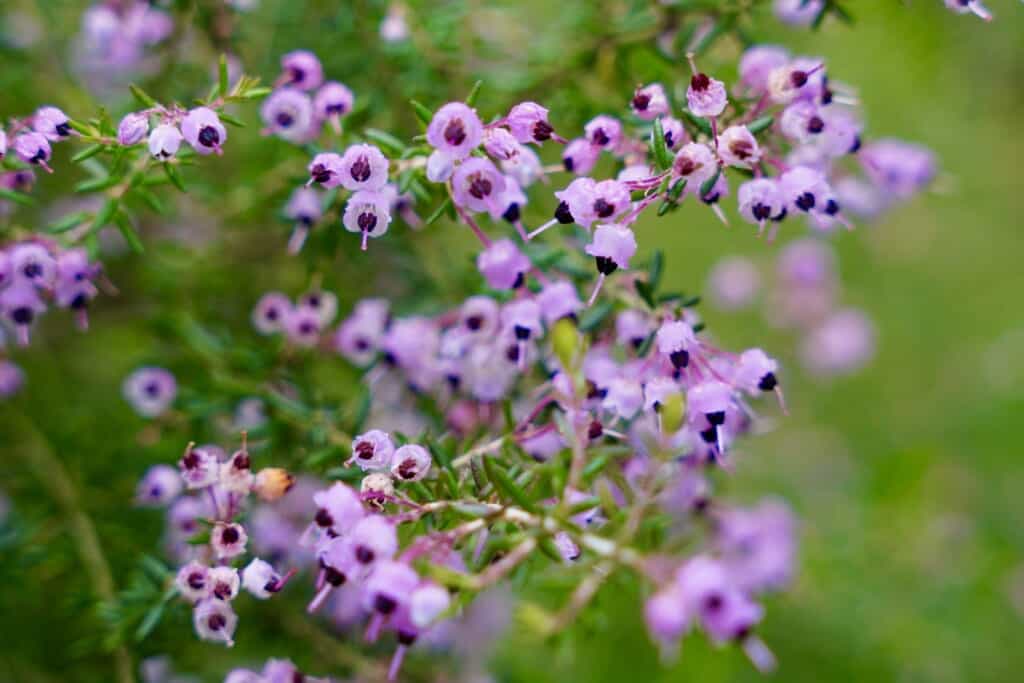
[{"x": 437, "y": 325}]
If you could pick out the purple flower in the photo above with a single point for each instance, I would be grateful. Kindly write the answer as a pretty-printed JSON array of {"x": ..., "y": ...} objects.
[
  {"x": 612, "y": 247},
  {"x": 695, "y": 163},
  {"x": 235, "y": 475},
  {"x": 301, "y": 69},
  {"x": 410, "y": 463},
  {"x": 3, "y": 144},
  {"x": 52, "y": 123},
  {"x": 31, "y": 263},
  {"x": 428, "y": 602},
  {"x": 270, "y": 313},
  {"x": 455, "y": 130},
  {"x": 667, "y": 616},
  {"x": 367, "y": 213},
  {"x": 373, "y": 539},
  {"x": 604, "y": 132},
  {"x": 199, "y": 467},
  {"x": 158, "y": 487},
  {"x": 806, "y": 189},
  {"x": 203, "y": 130},
  {"x": 760, "y": 200},
  {"x": 758, "y": 545},
  {"x": 228, "y": 540},
  {"x": 260, "y": 580},
  {"x": 733, "y": 283},
  {"x": 705, "y": 96},
  {"x": 224, "y": 582},
  {"x": 133, "y": 129},
  {"x": 632, "y": 328},
  {"x": 676, "y": 341},
  {"x": 363, "y": 167},
  {"x": 333, "y": 101},
  {"x": 373, "y": 450},
  {"x": 214, "y": 620},
  {"x": 20, "y": 304},
  {"x": 33, "y": 148},
  {"x": 288, "y": 113},
  {"x": 624, "y": 398},
  {"x": 842, "y": 344},
  {"x": 358, "y": 337},
  {"x": 975, "y": 7},
  {"x": 503, "y": 265},
  {"x": 326, "y": 169},
  {"x": 738, "y": 147},
  {"x": 389, "y": 587},
  {"x": 477, "y": 185},
  {"x": 11, "y": 378},
  {"x": 758, "y": 62},
  {"x": 500, "y": 144},
  {"x": 650, "y": 102},
  {"x": 674, "y": 132},
  {"x": 755, "y": 372},
  {"x": 164, "y": 141},
  {"x": 580, "y": 156},
  {"x": 338, "y": 508},
  {"x": 558, "y": 300},
  {"x": 193, "y": 582},
  {"x": 302, "y": 326},
  {"x": 150, "y": 391},
  {"x": 899, "y": 168},
  {"x": 798, "y": 12},
  {"x": 529, "y": 123}
]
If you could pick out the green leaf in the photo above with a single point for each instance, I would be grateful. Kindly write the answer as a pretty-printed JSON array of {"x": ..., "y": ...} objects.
[
  {"x": 655, "y": 269},
  {"x": 150, "y": 199},
  {"x": 760, "y": 124},
  {"x": 254, "y": 93},
  {"x": 82, "y": 128},
  {"x": 505, "y": 485},
  {"x": 385, "y": 140},
  {"x": 70, "y": 221},
  {"x": 439, "y": 210},
  {"x": 595, "y": 315},
  {"x": 661, "y": 155},
  {"x": 234, "y": 121},
  {"x": 124, "y": 224},
  {"x": 87, "y": 153},
  {"x": 677, "y": 190},
  {"x": 474, "y": 93},
  {"x": 142, "y": 96},
  {"x": 701, "y": 124},
  {"x": 104, "y": 215},
  {"x": 16, "y": 197},
  {"x": 223, "y": 74},
  {"x": 174, "y": 175},
  {"x": 644, "y": 290},
  {"x": 149, "y": 622},
  {"x": 709, "y": 184},
  {"x": 422, "y": 113},
  {"x": 97, "y": 184},
  {"x": 361, "y": 412}
]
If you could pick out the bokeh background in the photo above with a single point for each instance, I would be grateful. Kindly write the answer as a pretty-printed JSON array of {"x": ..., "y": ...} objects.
[{"x": 907, "y": 476}]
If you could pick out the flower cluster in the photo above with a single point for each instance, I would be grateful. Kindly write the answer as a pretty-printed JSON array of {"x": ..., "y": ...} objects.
[
  {"x": 38, "y": 271},
  {"x": 753, "y": 552},
  {"x": 302, "y": 102},
  {"x": 30, "y": 139},
  {"x": 116, "y": 39},
  {"x": 220, "y": 486},
  {"x": 359, "y": 549},
  {"x": 805, "y": 296},
  {"x": 274, "y": 671}
]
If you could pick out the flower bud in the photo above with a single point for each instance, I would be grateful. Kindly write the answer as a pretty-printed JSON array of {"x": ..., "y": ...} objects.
[{"x": 272, "y": 483}]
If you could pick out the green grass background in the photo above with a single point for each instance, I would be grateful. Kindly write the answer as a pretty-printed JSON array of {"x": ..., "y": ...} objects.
[{"x": 907, "y": 477}]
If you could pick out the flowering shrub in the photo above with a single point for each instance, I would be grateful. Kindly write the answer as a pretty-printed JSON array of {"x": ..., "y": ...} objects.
[{"x": 549, "y": 412}]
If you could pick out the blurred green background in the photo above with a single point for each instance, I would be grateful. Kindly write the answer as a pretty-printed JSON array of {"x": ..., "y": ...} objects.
[{"x": 907, "y": 477}]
